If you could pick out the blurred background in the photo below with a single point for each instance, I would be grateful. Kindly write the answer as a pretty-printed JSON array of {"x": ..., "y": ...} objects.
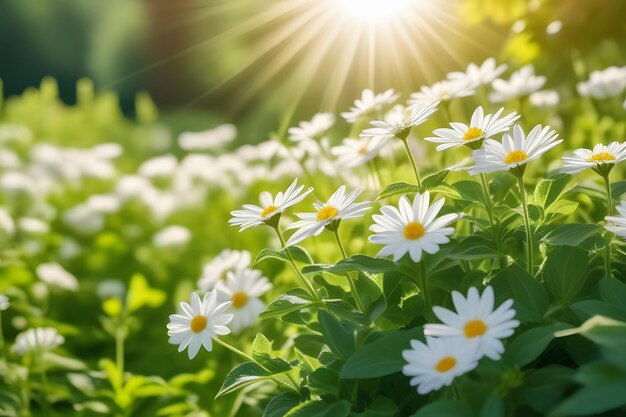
[{"x": 249, "y": 61}]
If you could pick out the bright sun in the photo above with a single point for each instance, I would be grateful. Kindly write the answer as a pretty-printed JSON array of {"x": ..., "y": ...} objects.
[{"x": 373, "y": 10}]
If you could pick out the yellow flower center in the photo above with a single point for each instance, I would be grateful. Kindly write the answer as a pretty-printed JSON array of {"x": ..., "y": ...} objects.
[
  {"x": 327, "y": 212},
  {"x": 239, "y": 299},
  {"x": 601, "y": 157},
  {"x": 473, "y": 133},
  {"x": 414, "y": 230},
  {"x": 445, "y": 364},
  {"x": 363, "y": 149},
  {"x": 198, "y": 324},
  {"x": 474, "y": 328},
  {"x": 515, "y": 156},
  {"x": 269, "y": 210}
]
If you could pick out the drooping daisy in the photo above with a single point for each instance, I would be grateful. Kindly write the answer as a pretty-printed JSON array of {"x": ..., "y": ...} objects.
[
  {"x": 339, "y": 206},
  {"x": 313, "y": 129},
  {"x": 227, "y": 261},
  {"x": 369, "y": 103},
  {"x": 412, "y": 229},
  {"x": 522, "y": 83},
  {"x": 481, "y": 127},
  {"x": 513, "y": 151},
  {"x": 199, "y": 323},
  {"x": 602, "y": 158},
  {"x": 475, "y": 318},
  {"x": 356, "y": 152},
  {"x": 617, "y": 224},
  {"x": 442, "y": 91},
  {"x": 399, "y": 124},
  {"x": 55, "y": 275},
  {"x": 243, "y": 288},
  {"x": 37, "y": 339},
  {"x": 476, "y": 75},
  {"x": 253, "y": 215},
  {"x": 438, "y": 362}
]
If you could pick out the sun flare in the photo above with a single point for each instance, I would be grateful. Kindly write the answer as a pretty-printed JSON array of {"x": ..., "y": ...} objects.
[{"x": 373, "y": 10}]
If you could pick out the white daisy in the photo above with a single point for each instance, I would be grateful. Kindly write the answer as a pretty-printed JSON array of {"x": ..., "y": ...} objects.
[
  {"x": 243, "y": 288},
  {"x": 227, "y": 261},
  {"x": 174, "y": 236},
  {"x": 356, "y": 152},
  {"x": 522, "y": 83},
  {"x": 369, "y": 103},
  {"x": 55, "y": 275},
  {"x": 212, "y": 139},
  {"x": 253, "y": 215},
  {"x": 481, "y": 127},
  {"x": 37, "y": 339},
  {"x": 475, "y": 318},
  {"x": 413, "y": 229},
  {"x": 4, "y": 302},
  {"x": 338, "y": 207},
  {"x": 312, "y": 130},
  {"x": 442, "y": 91},
  {"x": 609, "y": 82},
  {"x": 514, "y": 151},
  {"x": 475, "y": 75},
  {"x": 199, "y": 323},
  {"x": 438, "y": 362},
  {"x": 544, "y": 99},
  {"x": 399, "y": 124},
  {"x": 617, "y": 224},
  {"x": 602, "y": 158}
]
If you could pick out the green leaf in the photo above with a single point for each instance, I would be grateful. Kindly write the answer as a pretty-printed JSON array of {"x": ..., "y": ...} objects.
[
  {"x": 550, "y": 189},
  {"x": 262, "y": 353},
  {"x": 527, "y": 347},
  {"x": 446, "y": 190},
  {"x": 324, "y": 381},
  {"x": 470, "y": 191},
  {"x": 285, "y": 304},
  {"x": 572, "y": 234},
  {"x": 472, "y": 248},
  {"x": 585, "y": 309},
  {"x": 531, "y": 300},
  {"x": 601, "y": 330},
  {"x": 546, "y": 387},
  {"x": 338, "y": 338},
  {"x": 397, "y": 188},
  {"x": 493, "y": 407},
  {"x": 298, "y": 253},
  {"x": 613, "y": 291},
  {"x": 380, "y": 407},
  {"x": 281, "y": 404},
  {"x": 320, "y": 409},
  {"x": 241, "y": 375},
  {"x": 435, "y": 179},
  {"x": 617, "y": 189},
  {"x": 380, "y": 357},
  {"x": 444, "y": 408},
  {"x": 593, "y": 400},
  {"x": 354, "y": 263},
  {"x": 566, "y": 271}
]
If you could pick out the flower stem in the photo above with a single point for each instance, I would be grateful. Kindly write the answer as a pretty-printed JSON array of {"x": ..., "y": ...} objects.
[
  {"x": 44, "y": 385},
  {"x": 488, "y": 202},
  {"x": 609, "y": 235},
  {"x": 292, "y": 261},
  {"x": 425, "y": 291},
  {"x": 529, "y": 232},
  {"x": 120, "y": 335},
  {"x": 234, "y": 350},
  {"x": 353, "y": 290},
  {"x": 412, "y": 161}
]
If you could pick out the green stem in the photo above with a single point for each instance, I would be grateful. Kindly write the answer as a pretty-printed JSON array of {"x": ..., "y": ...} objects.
[
  {"x": 120, "y": 335},
  {"x": 609, "y": 235},
  {"x": 353, "y": 289},
  {"x": 445, "y": 109},
  {"x": 529, "y": 232},
  {"x": 425, "y": 291},
  {"x": 292, "y": 261},
  {"x": 488, "y": 202},
  {"x": 412, "y": 161},
  {"x": 44, "y": 385}
]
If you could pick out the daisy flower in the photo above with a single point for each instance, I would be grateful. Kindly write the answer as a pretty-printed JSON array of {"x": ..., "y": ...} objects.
[
  {"x": 476, "y": 319},
  {"x": 514, "y": 151},
  {"x": 544, "y": 99},
  {"x": 522, "y": 83},
  {"x": 369, "y": 103},
  {"x": 438, "y": 362},
  {"x": 617, "y": 224},
  {"x": 476, "y": 75},
  {"x": 200, "y": 322},
  {"x": 55, "y": 275},
  {"x": 399, "y": 124},
  {"x": 481, "y": 127},
  {"x": 339, "y": 206},
  {"x": 227, "y": 261},
  {"x": 609, "y": 82},
  {"x": 356, "y": 152},
  {"x": 37, "y": 339},
  {"x": 442, "y": 91},
  {"x": 252, "y": 215},
  {"x": 602, "y": 158},
  {"x": 412, "y": 228},
  {"x": 243, "y": 288},
  {"x": 313, "y": 129}
]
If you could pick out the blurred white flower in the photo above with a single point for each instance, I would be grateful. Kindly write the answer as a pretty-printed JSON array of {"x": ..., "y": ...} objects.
[
  {"x": 554, "y": 27},
  {"x": 214, "y": 138},
  {"x": 522, "y": 83},
  {"x": 609, "y": 82},
  {"x": 369, "y": 103},
  {"x": 55, "y": 275},
  {"x": 227, "y": 261},
  {"x": 243, "y": 288},
  {"x": 15, "y": 181},
  {"x": 9, "y": 159},
  {"x": 4, "y": 302},
  {"x": 69, "y": 249},
  {"x": 104, "y": 203},
  {"x": 107, "y": 151},
  {"x": 313, "y": 129},
  {"x": 476, "y": 75},
  {"x": 199, "y": 323},
  {"x": 617, "y": 224},
  {"x": 111, "y": 288},
  {"x": 518, "y": 26},
  {"x": 38, "y": 339},
  {"x": 356, "y": 152},
  {"x": 544, "y": 99},
  {"x": 601, "y": 158},
  {"x": 84, "y": 220},
  {"x": 160, "y": 166},
  {"x": 33, "y": 226},
  {"x": 15, "y": 133},
  {"x": 442, "y": 91},
  {"x": 130, "y": 186},
  {"x": 399, "y": 122},
  {"x": 7, "y": 225},
  {"x": 172, "y": 237}
]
